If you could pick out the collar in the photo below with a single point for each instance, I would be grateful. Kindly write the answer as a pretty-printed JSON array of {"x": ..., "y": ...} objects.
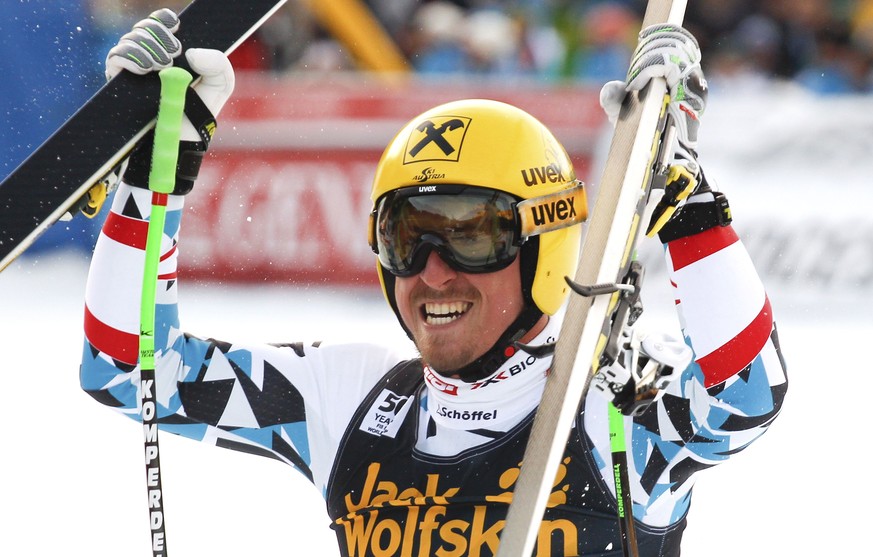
[{"x": 497, "y": 401}]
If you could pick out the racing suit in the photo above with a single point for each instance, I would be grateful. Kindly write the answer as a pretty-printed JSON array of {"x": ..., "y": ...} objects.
[{"x": 415, "y": 463}]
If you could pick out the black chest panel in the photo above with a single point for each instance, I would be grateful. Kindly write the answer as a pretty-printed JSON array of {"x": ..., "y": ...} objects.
[{"x": 386, "y": 498}]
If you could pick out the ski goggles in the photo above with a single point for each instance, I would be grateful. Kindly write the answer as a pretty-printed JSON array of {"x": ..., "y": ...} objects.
[{"x": 473, "y": 229}]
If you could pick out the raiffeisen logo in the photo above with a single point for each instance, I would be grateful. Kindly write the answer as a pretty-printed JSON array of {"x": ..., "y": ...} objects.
[{"x": 439, "y": 138}]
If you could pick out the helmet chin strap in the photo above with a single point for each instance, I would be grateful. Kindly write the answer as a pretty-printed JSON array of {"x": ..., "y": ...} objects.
[{"x": 489, "y": 362}]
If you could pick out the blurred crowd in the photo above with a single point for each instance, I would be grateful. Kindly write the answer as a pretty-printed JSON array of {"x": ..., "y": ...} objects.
[
  {"x": 53, "y": 52},
  {"x": 823, "y": 45}
]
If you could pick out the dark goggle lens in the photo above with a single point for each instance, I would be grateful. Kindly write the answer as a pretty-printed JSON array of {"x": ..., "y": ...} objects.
[{"x": 474, "y": 231}]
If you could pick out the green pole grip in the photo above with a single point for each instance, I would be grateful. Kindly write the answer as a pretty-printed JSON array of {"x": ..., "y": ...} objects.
[
  {"x": 168, "y": 129},
  {"x": 162, "y": 179}
]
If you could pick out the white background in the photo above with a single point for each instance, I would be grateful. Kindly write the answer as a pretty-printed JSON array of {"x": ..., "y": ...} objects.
[{"x": 73, "y": 472}]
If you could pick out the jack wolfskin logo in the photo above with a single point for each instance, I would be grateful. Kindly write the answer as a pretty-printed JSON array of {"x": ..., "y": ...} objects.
[
  {"x": 439, "y": 138},
  {"x": 542, "y": 174}
]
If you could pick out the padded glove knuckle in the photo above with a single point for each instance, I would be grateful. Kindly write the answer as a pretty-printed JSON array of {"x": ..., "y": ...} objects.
[
  {"x": 159, "y": 39},
  {"x": 166, "y": 17}
]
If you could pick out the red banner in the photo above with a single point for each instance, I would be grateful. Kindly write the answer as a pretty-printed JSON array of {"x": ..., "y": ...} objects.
[{"x": 283, "y": 194}]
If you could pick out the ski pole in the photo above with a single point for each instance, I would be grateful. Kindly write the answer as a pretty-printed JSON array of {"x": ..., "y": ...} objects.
[
  {"x": 622, "y": 482},
  {"x": 162, "y": 180}
]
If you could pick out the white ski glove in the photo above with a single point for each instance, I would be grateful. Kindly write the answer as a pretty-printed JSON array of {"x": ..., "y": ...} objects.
[
  {"x": 671, "y": 52},
  {"x": 152, "y": 46},
  {"x": 646, "y": 364}
]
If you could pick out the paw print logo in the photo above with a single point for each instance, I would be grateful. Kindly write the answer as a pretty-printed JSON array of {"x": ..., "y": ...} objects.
[{"x": 557, "y": 497}]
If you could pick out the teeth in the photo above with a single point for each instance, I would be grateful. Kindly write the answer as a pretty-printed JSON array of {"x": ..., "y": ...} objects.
[{"x": 444, "y": 312}]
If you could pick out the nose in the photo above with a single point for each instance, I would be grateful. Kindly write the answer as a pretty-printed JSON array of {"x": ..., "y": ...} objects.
[{"x": 436, "y": 273}]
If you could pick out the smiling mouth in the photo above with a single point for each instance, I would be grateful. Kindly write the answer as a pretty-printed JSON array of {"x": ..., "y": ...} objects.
[{"x": 445, "y": 312}]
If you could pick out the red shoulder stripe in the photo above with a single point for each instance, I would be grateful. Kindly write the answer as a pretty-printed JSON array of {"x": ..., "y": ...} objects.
[
  {"x": 688, "y": 250},
  {"x": 729, "y": 359}
]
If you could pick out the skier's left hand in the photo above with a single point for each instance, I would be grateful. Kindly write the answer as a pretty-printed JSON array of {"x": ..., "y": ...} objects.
[
  {"x": 646, "y": 365},
  {"x": 149, "y": 46},
  {"x": 669, "y": 52}
]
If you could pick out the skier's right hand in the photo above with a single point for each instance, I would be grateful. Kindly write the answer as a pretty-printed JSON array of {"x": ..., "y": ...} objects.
[{"x": 151, "y": 46}]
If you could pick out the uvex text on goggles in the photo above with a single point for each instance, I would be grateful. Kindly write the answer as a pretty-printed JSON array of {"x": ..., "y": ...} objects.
[{"x": 473, "y": 229}]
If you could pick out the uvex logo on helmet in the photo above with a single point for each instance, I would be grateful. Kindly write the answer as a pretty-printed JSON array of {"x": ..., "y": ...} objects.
[
  {"x": 551, "y": 174},
  {"x": 436, "y": 139}
]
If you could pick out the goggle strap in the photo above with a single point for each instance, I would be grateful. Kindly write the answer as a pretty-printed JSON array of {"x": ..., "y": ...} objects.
[
  {"x": 371, "y": 232},
  {"x": 539, "y": 215}
]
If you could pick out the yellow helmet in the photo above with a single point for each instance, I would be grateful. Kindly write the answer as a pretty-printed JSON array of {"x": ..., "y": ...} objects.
[{"x": 493, "y": 145}]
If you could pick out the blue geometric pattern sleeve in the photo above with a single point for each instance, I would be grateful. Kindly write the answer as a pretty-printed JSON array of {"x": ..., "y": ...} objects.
[
  {"x": 726, "y": 399},
  {"x": 262, "y": 399}
]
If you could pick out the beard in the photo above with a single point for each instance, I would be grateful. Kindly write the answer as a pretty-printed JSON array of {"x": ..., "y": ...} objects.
[
  {"x": 447, "y": 351},
  {"x": 446, "y": 357}
]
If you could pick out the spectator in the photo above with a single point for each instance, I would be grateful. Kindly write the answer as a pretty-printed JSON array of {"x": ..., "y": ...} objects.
[
  {"x": 434, "y": 40},
  {"x": 608, "y": 34},
  {"x": 746, "y": 56},
  {"x": 493, "y": 41},
  {"x": 838, "y": 67}
]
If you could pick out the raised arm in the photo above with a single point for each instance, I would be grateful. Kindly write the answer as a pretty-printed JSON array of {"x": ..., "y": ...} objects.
[{"x": 736, "y": 382}]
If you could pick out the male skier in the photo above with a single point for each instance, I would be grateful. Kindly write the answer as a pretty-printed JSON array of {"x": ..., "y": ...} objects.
[{"x": 477, "y": 218}]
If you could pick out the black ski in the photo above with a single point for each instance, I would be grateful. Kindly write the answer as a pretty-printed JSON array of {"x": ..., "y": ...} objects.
[{"x": 102, "y": 132}]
